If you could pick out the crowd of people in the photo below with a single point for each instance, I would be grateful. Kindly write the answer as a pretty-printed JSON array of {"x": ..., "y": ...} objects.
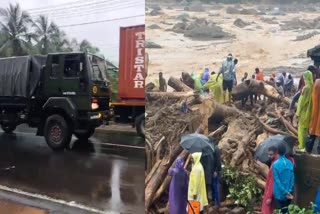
[{"x": 201, "y": 184}]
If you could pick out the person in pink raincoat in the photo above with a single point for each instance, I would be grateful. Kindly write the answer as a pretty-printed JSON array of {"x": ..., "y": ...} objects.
[{"x": 268, "y": 205}]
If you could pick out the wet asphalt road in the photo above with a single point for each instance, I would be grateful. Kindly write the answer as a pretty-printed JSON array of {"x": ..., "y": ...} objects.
[{"x": 98, "y": 175}]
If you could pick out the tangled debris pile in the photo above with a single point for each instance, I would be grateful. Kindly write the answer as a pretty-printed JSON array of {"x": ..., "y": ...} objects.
[{"x": 238, "y": 132}]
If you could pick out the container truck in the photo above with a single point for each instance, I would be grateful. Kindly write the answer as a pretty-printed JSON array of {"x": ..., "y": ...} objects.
[
  {"x": 130, "y": 102},
  {"x": 59, "y": 94}
]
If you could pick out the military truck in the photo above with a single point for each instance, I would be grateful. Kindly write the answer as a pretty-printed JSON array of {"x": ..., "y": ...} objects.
[{"x": 59, "y": 94}]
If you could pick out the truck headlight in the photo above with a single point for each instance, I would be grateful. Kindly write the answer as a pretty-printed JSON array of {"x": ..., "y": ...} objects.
[{"x": 94, "y": 106}]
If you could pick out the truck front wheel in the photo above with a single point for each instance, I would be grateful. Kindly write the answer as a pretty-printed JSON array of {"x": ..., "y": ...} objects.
[
  {"x": 57, "y": 132},
  {"x": 8, "y": 129},
  {"x": 140, "y": 125},
  {"x": 84, "y": 134}
]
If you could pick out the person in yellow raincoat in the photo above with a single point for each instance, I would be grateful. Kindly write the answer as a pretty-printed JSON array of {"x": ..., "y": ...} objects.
[
  {"x": 304, "y": 109},
  {"x": 215, "y": 87},
  {"x": 197, "y": 183}
]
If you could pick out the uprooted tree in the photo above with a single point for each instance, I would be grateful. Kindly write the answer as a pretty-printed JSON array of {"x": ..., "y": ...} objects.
[{"x": 238, "y": 132}]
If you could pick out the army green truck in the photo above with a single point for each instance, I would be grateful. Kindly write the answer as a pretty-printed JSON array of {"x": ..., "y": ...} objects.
[{"x": 59, "y": 94}]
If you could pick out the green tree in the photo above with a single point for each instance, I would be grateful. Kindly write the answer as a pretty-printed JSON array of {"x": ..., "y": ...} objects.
[
  {"x": 60, "y": 41},
  {"x": 86, "y": 46},
  {"x": 15, "y": 30},
  {"x": 45, "y": 32}
]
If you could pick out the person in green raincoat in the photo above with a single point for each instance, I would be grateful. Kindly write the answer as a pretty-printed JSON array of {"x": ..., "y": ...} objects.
[
  {"x": 305, "y": 108},
  {"x": 197, "y": 183},
  {"x": 197, "y": 83},
  {"x": 215, "y": 87}
]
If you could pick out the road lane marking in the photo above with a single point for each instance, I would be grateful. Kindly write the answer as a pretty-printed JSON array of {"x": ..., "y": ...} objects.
[{"x": 58, "y": 201}]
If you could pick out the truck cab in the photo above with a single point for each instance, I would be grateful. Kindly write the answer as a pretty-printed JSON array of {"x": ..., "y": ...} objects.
[{"x": 71, "y": 96}]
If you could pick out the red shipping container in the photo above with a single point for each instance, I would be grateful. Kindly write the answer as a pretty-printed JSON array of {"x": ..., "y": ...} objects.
[{"x": 132, "y": 63}]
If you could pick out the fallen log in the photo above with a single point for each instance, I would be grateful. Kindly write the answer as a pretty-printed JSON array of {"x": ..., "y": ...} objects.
[
  {"x": 150, "y": 96},
  {"x": 270, "y": 129},
  {"x": 177, "y": 85},
  {"x": 262, "y": 168}
]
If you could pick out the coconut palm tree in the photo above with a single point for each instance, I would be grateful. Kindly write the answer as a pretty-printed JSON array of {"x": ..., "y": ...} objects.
[
  {"x": 59, "y": 41},
  {"x": 86, "y": 46},
  {"x": 45, "y": 32},
  {"x": 15, "y": 28}
]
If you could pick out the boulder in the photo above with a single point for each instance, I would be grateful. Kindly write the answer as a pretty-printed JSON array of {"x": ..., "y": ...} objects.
[
  {"x": 152, "y": 45},
  {"x": 179, "y": 27},
  {"x": 195, "y": 7},
  {"x": 232, "y": 10},
  {"x": 155, "y": 12},
  {"x": 240, "y": 23},
  {"x": 154, "y": 26},
  {"x": 183, "y": 17},
  {"x": 249, "y": 11}
]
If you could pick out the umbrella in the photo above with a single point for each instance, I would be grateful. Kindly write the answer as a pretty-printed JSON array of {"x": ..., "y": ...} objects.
[
  {"x": 196, "y": 143},
  {"x": 261, "y": 153}
]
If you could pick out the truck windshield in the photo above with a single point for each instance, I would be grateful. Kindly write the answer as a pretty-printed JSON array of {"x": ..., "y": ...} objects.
[{"x": 99, "y": 68}]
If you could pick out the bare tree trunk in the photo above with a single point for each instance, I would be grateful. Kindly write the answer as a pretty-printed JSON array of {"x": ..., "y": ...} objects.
[{"x": 177, "y": 85}]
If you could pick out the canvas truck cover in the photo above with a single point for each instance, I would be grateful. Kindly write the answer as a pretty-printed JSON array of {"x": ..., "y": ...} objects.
[
  {"x": 131, "y": 63},
  {"x": 19, "y": 76}
]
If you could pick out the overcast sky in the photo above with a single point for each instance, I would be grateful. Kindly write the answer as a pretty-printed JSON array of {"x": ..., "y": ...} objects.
[{"x": 105, "y": 35}]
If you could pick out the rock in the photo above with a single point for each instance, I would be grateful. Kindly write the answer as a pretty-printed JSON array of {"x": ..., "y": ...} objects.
[
  {"x": 154, "y": 26},
  {"x": 224, "y": 210},
  {"x": 152, "y": 45},
  {"x": 269, "y": 21},
  {"x": 240, "y": 23},
  {"x": 233, "y": 10},
  {"x": 238, "y": 210},
  {"x": 201, "y": 21},
  {"x": 179, "y": 28},
  {"x": 250, "y": 11},
  {"x": 214, "y": 14},
  {"x": 155, "y": 7},
  {"x": 183, "y": 17},
  {"x": 195, "y": 7},
  {"x": 205, "y": 33},
  {"x": 155, "y": 12}
]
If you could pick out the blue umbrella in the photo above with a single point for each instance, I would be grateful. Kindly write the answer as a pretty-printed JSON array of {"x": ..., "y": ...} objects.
[{"x": 197, "y": 143}]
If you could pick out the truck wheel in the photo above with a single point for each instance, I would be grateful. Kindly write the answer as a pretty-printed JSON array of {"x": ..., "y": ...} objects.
[
  {"x": 84, "y": 134},
  {"x": 57, "y": 133},
  {"x": 140, "y": 125},
  {"x": 8, "y": 129}
]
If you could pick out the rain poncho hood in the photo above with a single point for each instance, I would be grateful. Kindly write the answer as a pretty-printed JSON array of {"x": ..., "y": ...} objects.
[
  {"x": 304, "y": 109},
  {"x": 305, "y": 102},
  {"x": 205, "y": 76},
  {"x": 197, "y": 183},
  {"x": 314, "y": 127},
  {"x": 197, "y": 83},
  {"x": 178, "y": 191}
]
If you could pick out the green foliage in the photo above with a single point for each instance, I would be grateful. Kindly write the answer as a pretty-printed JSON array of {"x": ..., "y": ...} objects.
[
  {"x": 242, "y": 188},
  {"x": 294, "y": 209},
  {"x": 20, "y": 35}
]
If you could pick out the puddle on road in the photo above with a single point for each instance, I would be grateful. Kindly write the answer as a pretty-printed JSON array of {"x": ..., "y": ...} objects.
[{"x": 108, "y": 179}]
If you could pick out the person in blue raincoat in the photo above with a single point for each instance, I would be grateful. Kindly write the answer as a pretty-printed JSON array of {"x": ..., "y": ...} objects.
[{"x": 283, "y": 176}]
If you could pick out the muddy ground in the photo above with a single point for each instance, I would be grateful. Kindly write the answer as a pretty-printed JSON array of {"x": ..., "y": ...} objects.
[{"x": 258, "y": 35}]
